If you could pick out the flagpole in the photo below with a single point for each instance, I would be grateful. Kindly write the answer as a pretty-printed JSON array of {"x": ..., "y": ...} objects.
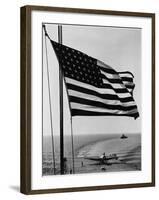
[
  {"x": 61, "y": 107},
  {"x": 72, "y": 142},
  {"x": 72, "y": 147}
]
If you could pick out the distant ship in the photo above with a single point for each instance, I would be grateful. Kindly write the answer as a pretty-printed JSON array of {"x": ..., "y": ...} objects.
[{"x": 123, "y": 136}]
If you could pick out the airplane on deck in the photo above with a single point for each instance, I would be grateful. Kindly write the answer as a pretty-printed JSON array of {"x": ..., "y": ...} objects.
[{"x": 103, "y": 159}]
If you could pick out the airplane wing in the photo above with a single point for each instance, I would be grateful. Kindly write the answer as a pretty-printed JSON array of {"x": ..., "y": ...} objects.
[{"x": 95, "y": 158}]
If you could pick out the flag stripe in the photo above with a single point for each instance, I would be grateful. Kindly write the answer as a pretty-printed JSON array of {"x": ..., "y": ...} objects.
[
  {"x": 115, "y": 85},
  {"x": 100, "y": 104},
  {"x": 97, "y": 89},
  {"x": 87, "y": 96},
  {"x": 127, "y": 79},
  {"x": 108, "y": 70},
  {"x": 78, "y": 112},
  {"x": 117, "y": 90},
  {"x": 101, "y": 95},
  {"x": 129, "y": 84},
  {"x": 110, "y": 76},
  {"x": 127, "y": 73},
  {"x": 98, "y": 109},
  {"x": 117, "y": 79},
  {"x": 112, "y": 80}
]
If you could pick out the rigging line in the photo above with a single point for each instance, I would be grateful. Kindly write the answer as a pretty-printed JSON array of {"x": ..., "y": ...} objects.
[
  {"x": 49, "y": 91},
  {"x": 46, "y": 34}
]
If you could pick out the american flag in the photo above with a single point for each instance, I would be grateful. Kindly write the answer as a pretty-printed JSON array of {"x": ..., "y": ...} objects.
[{"x": 94, "y": 88}]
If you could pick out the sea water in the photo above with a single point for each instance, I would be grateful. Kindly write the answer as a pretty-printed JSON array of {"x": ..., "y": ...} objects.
[{"x": 89, "y": 145}]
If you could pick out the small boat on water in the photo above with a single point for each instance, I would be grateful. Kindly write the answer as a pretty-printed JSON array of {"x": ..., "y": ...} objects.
[{"x": 123, "y": 136}]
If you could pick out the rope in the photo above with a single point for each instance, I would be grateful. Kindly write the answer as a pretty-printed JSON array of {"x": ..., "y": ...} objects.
[
  {"x": 46, "y": 34},
  {"x": 49, "y": 91}
]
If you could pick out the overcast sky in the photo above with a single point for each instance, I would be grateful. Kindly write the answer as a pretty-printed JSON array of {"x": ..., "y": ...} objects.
[{"x": 118, "y": 47}]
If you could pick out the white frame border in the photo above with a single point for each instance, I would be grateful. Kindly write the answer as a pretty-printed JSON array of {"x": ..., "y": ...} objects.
[{"x": 39, "y": 182}]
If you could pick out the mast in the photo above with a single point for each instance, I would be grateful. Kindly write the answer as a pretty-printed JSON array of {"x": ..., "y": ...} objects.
[
  {"x": 61, "y": 107},
  {"x": 72, "y": 142}
]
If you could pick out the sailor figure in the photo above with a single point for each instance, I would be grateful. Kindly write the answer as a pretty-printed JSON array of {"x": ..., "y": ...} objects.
[{"x": 103, "y": 156}]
